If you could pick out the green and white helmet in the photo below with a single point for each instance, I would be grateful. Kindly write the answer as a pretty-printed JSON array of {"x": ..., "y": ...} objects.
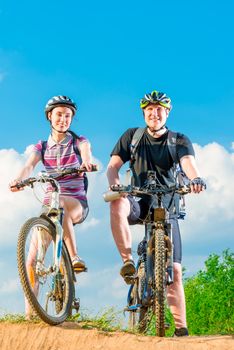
[{"x": 156, "y": 97}]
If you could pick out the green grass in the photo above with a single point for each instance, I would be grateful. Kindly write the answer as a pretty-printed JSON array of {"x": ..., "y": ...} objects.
[
  {"x": 151, "y": 325},
  {"x": 16, "y": 318},
  {"x": 107, "y": 320}
]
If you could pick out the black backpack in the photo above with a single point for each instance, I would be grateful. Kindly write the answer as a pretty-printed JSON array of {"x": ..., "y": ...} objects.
[
  {"x": 76, "y": 150},
  {"x": 181, "y": 178}
]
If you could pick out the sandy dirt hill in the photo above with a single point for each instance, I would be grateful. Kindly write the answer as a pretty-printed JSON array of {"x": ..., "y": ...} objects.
[{"x": 70, "y": 336}]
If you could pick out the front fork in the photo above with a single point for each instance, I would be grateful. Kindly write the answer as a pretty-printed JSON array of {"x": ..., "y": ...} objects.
[
  {"x": 149, "y": 263},
  {"x": 146, "y": 250},
  {"x": 44, "y": 239},
  {"x": 161, "y": 219},
  {"x": 57, "y": 220}
]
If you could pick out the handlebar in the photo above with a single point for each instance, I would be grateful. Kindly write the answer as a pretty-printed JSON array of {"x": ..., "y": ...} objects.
[
  {"x": 117, "y": 191},
  {"x": 45, "y": 177},
  {"x": 70, "y": 171}
]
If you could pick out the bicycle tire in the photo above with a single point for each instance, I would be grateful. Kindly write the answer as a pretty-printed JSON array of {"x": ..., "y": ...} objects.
[
  {"x": 138, "y": 319},
  {"x": 56, "y": 308},
  {"x": 160, "y": 282}
]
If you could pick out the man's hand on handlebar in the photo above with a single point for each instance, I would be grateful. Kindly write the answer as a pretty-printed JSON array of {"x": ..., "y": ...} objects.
[
  {"x": 115, "y": 192},
  {"x": 197, "y": 185},
  {"x": 119, "y": 187}
]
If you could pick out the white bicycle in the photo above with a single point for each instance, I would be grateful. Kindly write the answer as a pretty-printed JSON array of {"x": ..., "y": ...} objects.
[{"x": 44, "y": 264}]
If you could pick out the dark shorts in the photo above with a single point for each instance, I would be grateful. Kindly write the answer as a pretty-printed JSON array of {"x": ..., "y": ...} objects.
[
  {"x": 85, "y": 211},
  {"x": 138, "y": 212}
]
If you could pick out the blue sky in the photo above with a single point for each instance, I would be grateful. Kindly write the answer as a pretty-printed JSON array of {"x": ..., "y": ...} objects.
[{"x": 106, "y": 56}]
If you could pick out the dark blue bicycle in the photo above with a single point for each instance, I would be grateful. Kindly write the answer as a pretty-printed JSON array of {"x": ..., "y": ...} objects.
[{"x": 147, "y": 294}]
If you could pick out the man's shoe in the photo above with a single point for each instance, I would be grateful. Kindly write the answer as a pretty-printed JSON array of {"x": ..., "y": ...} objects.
[
  {"x": 181, "y": 332},
  {"x": 78, "y": 264},
  {"x": 128, "y": 271}
]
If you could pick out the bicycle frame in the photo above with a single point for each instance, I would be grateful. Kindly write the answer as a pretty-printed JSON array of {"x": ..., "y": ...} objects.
[
  {"x": 55, "y": 214},
  {"x": 44, "y": 264},
  {"x": 146, "y": 251},
  {"x": 155, "y": 263}
]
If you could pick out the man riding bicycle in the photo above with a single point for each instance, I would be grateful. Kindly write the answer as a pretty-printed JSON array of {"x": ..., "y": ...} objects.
[{"x": 152, "y": 153}]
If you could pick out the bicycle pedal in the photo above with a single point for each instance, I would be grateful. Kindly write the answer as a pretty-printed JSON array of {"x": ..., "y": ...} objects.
[
  {"x": 76, "y": 305},
  {"x": 129, "y": 279},
  {"x": 133, "y": 308},
  {"x": 79, "y": 270}
]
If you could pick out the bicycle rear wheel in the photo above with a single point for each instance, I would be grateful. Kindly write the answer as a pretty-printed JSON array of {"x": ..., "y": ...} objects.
[
  {"x": 160, "y": 281},
  {"x": 138, "y": 317},
  {"x": 49, "y": 293}
]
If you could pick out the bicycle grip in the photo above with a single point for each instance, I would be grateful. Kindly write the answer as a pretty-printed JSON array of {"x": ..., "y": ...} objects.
[
  {"x": 94, "y": 167},
  {"x": 110, "y": 196},
  {"x": 19, "y": 185}
]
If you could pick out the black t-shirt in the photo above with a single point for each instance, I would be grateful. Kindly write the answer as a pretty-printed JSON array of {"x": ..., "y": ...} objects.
[{"x": 153, "y": 154}]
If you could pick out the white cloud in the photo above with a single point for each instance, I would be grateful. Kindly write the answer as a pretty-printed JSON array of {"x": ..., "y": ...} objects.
[
  {"x": 211, "y": 211},
  {"x": 101, "y": 288},
  {"x": 194, "y": 263},
  {"x": 111, "y": 285},
  {"x": 10, "y": 286},
  {"x": 207, "y": 228},
  {"x": 211, "y": 214},
  {"x": 137, "y": 232},
  {"x": 14, "y": 207},
  {"x": 89, "y": 223},
  {"x": 97, "y": 186},
  {"x": 207, "y": 210}
]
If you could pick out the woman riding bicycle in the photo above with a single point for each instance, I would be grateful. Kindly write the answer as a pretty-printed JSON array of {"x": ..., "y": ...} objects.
[{"x": 63, "y": 149}]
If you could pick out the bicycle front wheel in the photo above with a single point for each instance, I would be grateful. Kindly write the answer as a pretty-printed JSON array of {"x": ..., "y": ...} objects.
[
  {"x": 138, "y": 316},
  {"x": 160, "y": 281},
  {"x": 49, "y": 292}
]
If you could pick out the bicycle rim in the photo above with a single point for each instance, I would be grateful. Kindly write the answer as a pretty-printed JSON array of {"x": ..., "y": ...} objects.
[
  {"x": 49, "y": 293},
  {"x": 160, "y": 288}
]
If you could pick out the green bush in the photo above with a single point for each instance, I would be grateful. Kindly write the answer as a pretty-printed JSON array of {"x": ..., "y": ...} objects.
[{"x": 210, "y": 296}]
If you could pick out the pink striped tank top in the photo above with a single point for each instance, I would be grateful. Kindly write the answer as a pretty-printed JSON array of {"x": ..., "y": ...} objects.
[{"x": 59, "y": 156}]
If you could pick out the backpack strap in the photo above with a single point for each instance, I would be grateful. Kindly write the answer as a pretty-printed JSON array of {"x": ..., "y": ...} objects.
[
  {"x": 171, "y": 143},
  {"x": 172, "y": 146},
  {"x": 75, "y": 137},
  {"x": 133, "y": 146},
  {"x": 43, "y": 149}
]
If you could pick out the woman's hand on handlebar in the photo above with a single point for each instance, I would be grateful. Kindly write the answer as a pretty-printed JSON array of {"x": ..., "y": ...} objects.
[
  {"x": 13, "y": 186},
  {"x": 88, "y": 166}
]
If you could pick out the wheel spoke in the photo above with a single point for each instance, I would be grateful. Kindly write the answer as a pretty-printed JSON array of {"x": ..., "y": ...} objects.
[{"x": 50, "y": 294}]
